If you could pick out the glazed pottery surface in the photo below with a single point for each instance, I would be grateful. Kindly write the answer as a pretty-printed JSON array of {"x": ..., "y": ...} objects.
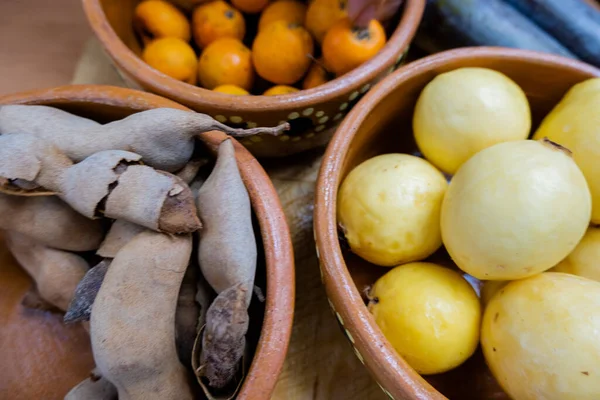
[{"x": 313, "y": 114}]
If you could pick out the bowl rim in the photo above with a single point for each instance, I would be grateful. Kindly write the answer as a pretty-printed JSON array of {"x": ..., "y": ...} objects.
[
  {"x": 279, "y": 308},
  {"x": 394, "y": 375},
  {"x": 184, "y": 93}
]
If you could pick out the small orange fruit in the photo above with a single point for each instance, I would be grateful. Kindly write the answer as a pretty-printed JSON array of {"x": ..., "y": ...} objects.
[
  {"x": 231, "y": 89},
  {"x": 155, "y": 19},
  {"x": 216, "y": 20},
  {"x": 346, "y": 47},
  {"x": 173, "y": 57},
  {"x": 250, "y": 6},
  {"x": 281, "y": 52},
  {"x": 317, "y": 75},
  {"x": 291, "y": 11},
  {"x": 226, "y": 61},
  {"x": 279, "y": 90},
  {"x": 322, "y": 14}
]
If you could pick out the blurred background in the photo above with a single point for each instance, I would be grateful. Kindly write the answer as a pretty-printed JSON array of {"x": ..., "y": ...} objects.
[{"x": 40, "y": 42}]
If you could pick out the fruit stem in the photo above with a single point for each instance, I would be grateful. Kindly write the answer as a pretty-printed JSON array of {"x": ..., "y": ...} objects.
[{"x": 555, "y": 146}]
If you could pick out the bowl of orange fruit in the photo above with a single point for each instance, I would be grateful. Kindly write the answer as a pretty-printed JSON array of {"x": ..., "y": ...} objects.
[{"x": 254, "y": 63}]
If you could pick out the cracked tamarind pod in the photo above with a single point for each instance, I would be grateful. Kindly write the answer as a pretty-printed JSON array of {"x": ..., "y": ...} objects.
[
  {"x": 133, "y": 318},
  {"x": 163, "y": 137},
  {"x": 227, "y": 216},
  {"x": 56, "y": 273},
  {"x": 49, "y": 221},
  {"x": 108, "y": 183}
]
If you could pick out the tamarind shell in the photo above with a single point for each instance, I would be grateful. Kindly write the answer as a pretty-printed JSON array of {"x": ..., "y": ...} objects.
[
  {"x": 154, "y": 199},
  {"x": 224, "y": 336},
  {"x": 86, "y": 184},
  {"x": 80, "y": 307}
]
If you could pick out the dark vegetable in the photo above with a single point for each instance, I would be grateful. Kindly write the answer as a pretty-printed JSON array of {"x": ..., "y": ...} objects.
[
  {"x": 574, "y": 22},
  {"x": 456, "y": 23}
]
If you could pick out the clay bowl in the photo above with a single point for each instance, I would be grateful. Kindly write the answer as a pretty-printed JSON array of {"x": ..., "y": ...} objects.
[
  {"x": 381, "y": 123},
  {"x": 312, "y": 113},
  {"x": 44, "y": 359}
]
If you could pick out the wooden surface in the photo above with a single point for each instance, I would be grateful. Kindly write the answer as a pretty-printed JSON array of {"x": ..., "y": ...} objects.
[
  {"x": 40, "y": 42},
  {"x": 43, "y": 45}
]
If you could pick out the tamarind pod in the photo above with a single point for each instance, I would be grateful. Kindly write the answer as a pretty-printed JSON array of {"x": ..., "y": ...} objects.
[
  {"x": 95, "y": 387},
  {"x": 87, "y": 289},
  {"x": 133, "y": 318},
  {"x": 190, "y": 170},
  {"x": 227, "y": 250},
  {"x": 56, "y": 273},
  {"x": 30, "y": 166},
  {"x": 186, "y": 316},
  {"x": 154, "y": 199},
  {"x": 136, "y": 193},
  {"x": 49, "y": 221},
  {"x": 224, "y": 337},
  {"x": 119, "y": 234},
  {"x": 164, "y": 137},
  {"x": 37, "y": 118}
]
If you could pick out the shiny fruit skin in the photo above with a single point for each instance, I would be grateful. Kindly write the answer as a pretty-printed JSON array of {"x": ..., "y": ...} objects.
[
  {"x": 158, "y": 19},
  {"x": 281, "y": 52},
  {"x": 346, "y": 48},
  {"x": 217, "y": 20},
  {"x": 389, "y": 209},
  {"x": 585, "y": 259},
  {"x": 322, "y": 15},
  {"x": 465, "y": 111},
  {"x": 226, "y": 61},
  {"x": 172, "y": 57},
  {"x": 231, "y": 89},
  {"x": 279, "y": 90},
  {"x": 540, "y": 337},
  {"x": 250, "y": 6},
  {"x": 575, "y": 124},
  {"x": 291, "y": 11},
  {"x": 514, "y": 210},
  {"x": 430, "y": 315}
]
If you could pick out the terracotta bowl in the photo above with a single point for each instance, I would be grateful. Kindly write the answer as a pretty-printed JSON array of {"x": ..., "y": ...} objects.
[
  {"x": 381, "y": 123},
  {"x": 54, "y": 357},
  {"x": 312, "y": 113}
]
